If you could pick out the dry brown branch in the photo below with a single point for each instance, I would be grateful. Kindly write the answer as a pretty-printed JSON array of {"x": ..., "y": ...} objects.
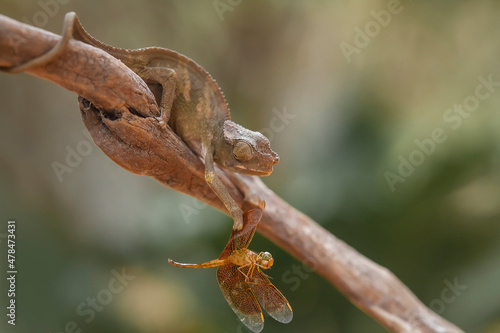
[{"x": 123, "y": 125}]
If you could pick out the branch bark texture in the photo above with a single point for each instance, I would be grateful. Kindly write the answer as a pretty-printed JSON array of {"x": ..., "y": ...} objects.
[{"x": 121, "y": 119}]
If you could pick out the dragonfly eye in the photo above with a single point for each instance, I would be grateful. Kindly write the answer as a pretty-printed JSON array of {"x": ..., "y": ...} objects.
[
  {"x": 266, "y": 255},
  {"x": 266, "y": 260}
]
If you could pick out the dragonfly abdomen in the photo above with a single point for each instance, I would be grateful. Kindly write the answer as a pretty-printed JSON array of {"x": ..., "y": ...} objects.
[{"x": 209, "y": 264}]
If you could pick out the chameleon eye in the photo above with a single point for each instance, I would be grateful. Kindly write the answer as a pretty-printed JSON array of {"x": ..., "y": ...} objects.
[{"x": 242, "y": 151}]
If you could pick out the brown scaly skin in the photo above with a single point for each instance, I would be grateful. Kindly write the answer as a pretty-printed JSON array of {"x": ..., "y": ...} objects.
[{"x": 192, "y": 104}]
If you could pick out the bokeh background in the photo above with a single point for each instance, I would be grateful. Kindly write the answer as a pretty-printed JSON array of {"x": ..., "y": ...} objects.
[{"x": 354, "y": 118}]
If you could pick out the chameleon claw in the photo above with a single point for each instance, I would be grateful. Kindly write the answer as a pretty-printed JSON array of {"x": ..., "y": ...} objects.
[{"x": 161, "y": 123}]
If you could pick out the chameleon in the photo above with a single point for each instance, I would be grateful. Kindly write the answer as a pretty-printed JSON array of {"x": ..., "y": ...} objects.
[{"x": 191, "y": 103}]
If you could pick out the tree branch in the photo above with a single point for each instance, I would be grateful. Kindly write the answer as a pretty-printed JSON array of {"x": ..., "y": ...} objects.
[{"x": 122, "y": 121}]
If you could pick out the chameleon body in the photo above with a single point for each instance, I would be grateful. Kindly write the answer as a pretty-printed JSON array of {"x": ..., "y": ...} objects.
[{"x": 192, "y": 104}]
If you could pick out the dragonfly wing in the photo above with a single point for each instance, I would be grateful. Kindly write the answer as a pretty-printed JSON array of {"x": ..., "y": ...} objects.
[
  {"x": 251, "y": 218},
  {"x": 252, "y": 213},
  {"x": 270, "y": 298},
  {"x": 240, "y": 297},
  {"x": 252, "y": 208},
  {"x": 241, "y": 239}
]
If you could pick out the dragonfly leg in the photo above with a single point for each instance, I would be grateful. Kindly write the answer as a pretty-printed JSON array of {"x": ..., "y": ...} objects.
[{"x": 249, "y": 273}]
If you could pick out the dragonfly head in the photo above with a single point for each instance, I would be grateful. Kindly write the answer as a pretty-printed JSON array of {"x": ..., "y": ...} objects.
[{"x": 265, "y": 260}]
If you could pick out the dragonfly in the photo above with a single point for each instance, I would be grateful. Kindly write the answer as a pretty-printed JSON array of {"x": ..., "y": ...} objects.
[{"x": 241, "y": 280}]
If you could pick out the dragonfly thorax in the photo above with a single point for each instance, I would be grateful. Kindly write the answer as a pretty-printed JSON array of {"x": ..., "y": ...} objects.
[{"x": 246, "y": 257}]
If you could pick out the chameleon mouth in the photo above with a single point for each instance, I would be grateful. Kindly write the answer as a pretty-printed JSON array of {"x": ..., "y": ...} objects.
[
  {"x": 252, "y": 172},
  {"x": 266, "y": 173}
]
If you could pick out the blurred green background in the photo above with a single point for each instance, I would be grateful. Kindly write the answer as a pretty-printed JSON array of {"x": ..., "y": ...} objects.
[{"x": 359, "y": 99}]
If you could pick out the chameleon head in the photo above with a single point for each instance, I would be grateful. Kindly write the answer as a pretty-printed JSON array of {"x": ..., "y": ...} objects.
[
  {"x": 265, "y": 260},
  {"x": 246, "y": 152}
]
